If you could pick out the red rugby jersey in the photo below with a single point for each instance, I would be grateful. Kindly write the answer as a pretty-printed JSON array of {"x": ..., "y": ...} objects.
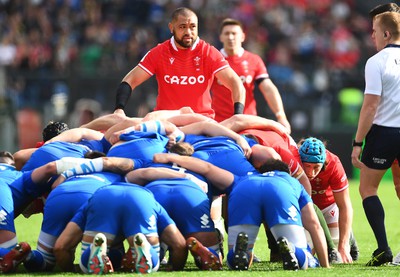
[
  {"x": 249, "y": 67},
  {"x": 332, "y": 179},
  {"x": 184, "y": 76}
]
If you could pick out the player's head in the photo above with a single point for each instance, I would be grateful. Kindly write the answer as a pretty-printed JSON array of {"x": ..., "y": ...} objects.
[
  {"x": 313, "y": 155},
  {"x": 182, "y": 148},
  {"x": 94, "y": 154},
  {"x": 274, "y": 164},
  {"x": 231, "y": 34},
  {"x": 52, "y": 129},
  {"x": 184, "y": 27},
  {"x": 312, "y": 150},
  {"x": 389, "y": 7},
  {"x": 260, "y": 154},
  {"x": 6, "y": 158}
]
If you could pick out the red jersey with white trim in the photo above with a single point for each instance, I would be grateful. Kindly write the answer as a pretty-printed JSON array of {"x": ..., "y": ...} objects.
[
  {"x": 184, "y": 76},
  {"x": 283, "y": 145},
  {"x": 249, "y": 67},
  {"x": 332, "y": 179}
]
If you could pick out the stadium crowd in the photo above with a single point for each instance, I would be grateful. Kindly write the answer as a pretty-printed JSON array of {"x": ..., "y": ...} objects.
[
  {"x": 163, "y": 177},
  {"x": 312, "y": 50}
]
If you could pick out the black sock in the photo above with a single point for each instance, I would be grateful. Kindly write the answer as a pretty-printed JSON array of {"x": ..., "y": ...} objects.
[
  {"x": 376, "y": 217},
  {"x": 272, "y": 245}
]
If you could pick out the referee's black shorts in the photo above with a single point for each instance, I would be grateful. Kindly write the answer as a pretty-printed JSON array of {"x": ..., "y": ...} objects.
[{"x": 382, "y": 147}]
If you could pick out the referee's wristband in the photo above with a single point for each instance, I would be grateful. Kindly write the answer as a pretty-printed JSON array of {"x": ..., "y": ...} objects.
[
  {"x": 238, "y": 108},
  {"x": 357, "y": 143}
]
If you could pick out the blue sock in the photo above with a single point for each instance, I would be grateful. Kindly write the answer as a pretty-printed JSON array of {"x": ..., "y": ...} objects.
[
  {"x": 229, "y": 258},
  {"x": 301, "y": 256},
  {"x": 4, "y": 251},
  {"x": 35, "y": 261},
  {"x": 85, "y": 257},
  {"x": 154, "y": 256}
]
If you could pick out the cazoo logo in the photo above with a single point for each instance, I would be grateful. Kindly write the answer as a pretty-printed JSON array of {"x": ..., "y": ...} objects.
[
  {"x": 184, "y": 80},
  {"x": 314, "y": 192},
  {"x": 246, "y": 79}
]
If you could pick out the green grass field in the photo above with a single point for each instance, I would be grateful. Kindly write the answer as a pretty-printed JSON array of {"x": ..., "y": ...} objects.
[{"x": 28, "y": 230}]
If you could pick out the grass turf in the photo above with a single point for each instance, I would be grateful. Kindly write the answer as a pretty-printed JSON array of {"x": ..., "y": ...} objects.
[{"x": 28, "y": 230}]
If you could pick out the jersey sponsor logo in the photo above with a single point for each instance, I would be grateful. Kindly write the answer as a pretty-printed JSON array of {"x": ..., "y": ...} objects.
[
  {"x": 3, "y": 217},
  {"x": 315, "y": 192},
  {"x": 343, "y": 178},
  {"x": 205, "y": 221},
  {"x": 293, "y": 213},
  {"x": 171, "y": 60},
  {"x": 152, "y": 223},
  {"x": 246, "y": 79},
  {"x": 184, "y": 80}
]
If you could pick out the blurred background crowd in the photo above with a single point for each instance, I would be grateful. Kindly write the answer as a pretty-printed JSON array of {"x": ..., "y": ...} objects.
[{"x": 63, "y": 59}]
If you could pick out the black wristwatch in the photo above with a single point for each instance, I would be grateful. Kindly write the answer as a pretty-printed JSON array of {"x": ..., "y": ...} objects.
[{"x": 356, "y": 143}]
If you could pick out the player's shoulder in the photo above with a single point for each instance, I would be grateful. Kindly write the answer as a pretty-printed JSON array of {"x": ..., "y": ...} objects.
[
  {"x": 331, "y": 156},
  {"x": 251, "y": 55}
]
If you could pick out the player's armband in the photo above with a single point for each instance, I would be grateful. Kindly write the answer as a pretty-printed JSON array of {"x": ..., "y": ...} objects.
[
  {"x": 238, "y": 107},
  {"x": 179, "y": 135},
  {"x": 124, "y": 92},
  {"x": 67, "y": 163},
  {"x": 155, "y": 126},
  {"x": 89, "y": 166}
]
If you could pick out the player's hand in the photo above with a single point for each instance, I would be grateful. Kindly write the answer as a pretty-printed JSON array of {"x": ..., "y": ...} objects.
[
  {"x": 355, "y": 157},
  {"x": 114, "y": 138},
  {"x": 186, "y": 110},
  {"x": 286, "y": 124},
  {"x": 242, "y": 142},
  {"x": 119, "y": 112},
  {"x": 58, "y": 181},
  {"x": 345, "y": 254}
]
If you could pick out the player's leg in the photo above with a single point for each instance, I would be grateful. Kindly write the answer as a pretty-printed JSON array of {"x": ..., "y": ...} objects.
[
  {"x": 292, "y": 243},
  {"x": 11, "y": 253},
  {"x": 396, "y": 176},
  {"x": 374, "y": 211},
  {"x": 241, "y": 240},
  {"x": 94, "y": 259},
  {"x": 142, "y": 257}
]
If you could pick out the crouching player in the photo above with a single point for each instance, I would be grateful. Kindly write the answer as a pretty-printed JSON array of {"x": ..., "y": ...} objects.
[
  {"x": 276, "y": 198},
  {"x": 129, "y": 211}
]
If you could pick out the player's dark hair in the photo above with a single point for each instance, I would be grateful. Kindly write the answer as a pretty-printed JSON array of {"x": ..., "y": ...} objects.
[
  {"x": 94, "y": 154},
  {"x": 52, "y": 129},
  {"x": 274, "y": 164},
  {"x": 181, "y": 11},
  {"x": 230, "y": 21},
  {"x": 389, "y": 7},
  {"x": 182, "y": 148}
]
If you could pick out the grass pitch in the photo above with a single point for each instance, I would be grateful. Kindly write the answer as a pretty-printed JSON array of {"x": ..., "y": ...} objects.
[{"x": 28, "y": 230}]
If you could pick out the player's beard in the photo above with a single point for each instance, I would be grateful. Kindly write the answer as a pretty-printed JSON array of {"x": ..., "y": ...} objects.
[{"x": 183, "y": 43}]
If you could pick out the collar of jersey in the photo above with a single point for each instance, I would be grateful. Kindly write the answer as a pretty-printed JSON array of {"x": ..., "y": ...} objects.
[
  {"x": 392, "y": 45},
  {"x": 241, "y": 52},
  {"x": 177, "y": 49}
]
